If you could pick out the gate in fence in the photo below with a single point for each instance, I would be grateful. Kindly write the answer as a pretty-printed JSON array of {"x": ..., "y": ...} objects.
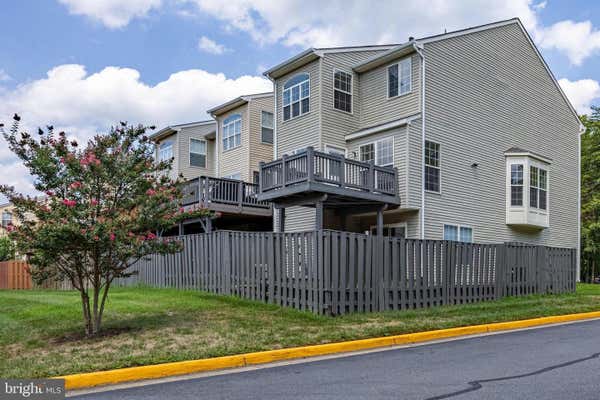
[{"x": 331, "y": 272}]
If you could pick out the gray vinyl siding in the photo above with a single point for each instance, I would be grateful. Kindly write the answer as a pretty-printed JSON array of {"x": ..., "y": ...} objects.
[
  {"x": 487, "y": 92},
  {"x": 415, "y": 165},
  {"x": 183, "y": 141},
  {"x": 259, "y": 151},
  {"x": 235, "y": 160},
  {"x": 376, "y": 107},
  {"x": 400, "y": 136},
  {"x": 336, "y": 124}
]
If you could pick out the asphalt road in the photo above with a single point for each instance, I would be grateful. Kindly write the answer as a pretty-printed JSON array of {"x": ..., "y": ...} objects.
[{"x": 560, "y": 362}]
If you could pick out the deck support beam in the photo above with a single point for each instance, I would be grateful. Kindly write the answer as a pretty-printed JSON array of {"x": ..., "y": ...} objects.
[
  {"x": 281, "y": 222},
  {"x": 319, "y": 215},
  {"x": 380, "y": 211}
]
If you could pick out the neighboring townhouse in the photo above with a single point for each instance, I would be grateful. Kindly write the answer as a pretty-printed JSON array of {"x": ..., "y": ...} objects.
[
  {"x": 245, "y": 131},
  {"x": 8, "y": 218},
  {"x": 219, "y": 159},
  {"x": 461, "y": 136}
]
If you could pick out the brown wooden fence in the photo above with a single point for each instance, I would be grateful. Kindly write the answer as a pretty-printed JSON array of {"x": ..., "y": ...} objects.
[
  {"x": 14, "y": 275},
  {"x": 330, "y": 272}
]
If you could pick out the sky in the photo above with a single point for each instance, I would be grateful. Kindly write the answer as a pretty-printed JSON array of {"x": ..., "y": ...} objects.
[{"x": 84, "y": 65}]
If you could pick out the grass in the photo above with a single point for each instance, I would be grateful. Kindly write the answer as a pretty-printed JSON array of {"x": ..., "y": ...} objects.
[{"x": 40, "y": 331}]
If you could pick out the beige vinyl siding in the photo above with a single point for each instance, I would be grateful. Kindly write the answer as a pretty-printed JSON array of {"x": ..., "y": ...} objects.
[
  {"x": 363, "y": 223},
  {"x": 487, "y": 92},
  {"x": 400, "y": 136},
  {"x": 183, "y": 144},
  {"x": 299, "y": 132},
  {"x": 235, "y": 160},
  {"x": 336, "y": 124},
  {"x": 376, "y": 107},
  {"x": 259, "y": 151}
]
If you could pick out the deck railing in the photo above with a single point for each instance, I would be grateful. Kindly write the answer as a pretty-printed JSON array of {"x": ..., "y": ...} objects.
[
  {"x": 333, "y": 169},
  {"x": 206, "y": 190}
]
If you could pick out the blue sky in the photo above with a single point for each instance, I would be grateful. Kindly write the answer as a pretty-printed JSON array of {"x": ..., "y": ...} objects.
[{"x": 82, "y": 65}]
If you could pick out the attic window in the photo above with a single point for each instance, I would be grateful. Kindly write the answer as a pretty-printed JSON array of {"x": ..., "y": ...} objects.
[
  {"x": 342, "y": 91},
  {"x": 296, "y": 96},
  {"x": 399, "y": 78}
]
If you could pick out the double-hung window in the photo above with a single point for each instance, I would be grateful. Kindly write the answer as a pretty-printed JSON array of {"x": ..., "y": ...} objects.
[
  {"x": 296, "y": 96},
  {"x": 342, "y": 91},
  {"x": 266, "y": 123},
  {"x": 399, "y": 78},
  {"x": 197, "y": 153},
  {"x": 516, "y": 185},
  {"x": 538, "y": 183},
  {"x": 458, "y": 233},
  {"x": 381, "y": 152},
  {"x": 165, "y": 151},
  {"x": 232, "y": 132},
  {"x": 432, "y": 166}
]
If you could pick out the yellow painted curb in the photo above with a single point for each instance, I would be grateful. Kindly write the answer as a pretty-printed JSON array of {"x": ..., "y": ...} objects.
[{"x": 90, "y": 379}]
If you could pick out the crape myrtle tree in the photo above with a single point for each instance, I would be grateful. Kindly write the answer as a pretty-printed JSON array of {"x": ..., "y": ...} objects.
[{"x": 104, "y": 208}]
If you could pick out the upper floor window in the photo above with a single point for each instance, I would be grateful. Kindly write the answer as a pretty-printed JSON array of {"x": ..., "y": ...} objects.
[
  {"x": 399, "y": 78},
  {"x": 266, "y": 123},
  {"x": 516, "y": 185},
  {"x": 381, "y": 152},
  {"x": 232, "y": 132},
  {"x": 458, "y": 233},
  {"x": 6, "y": 218},
  {"x": 538, "y": 184},
  {"x": 342, "y": 91},
  {"x": 432, "y": 166},
  {"x": 197, "y": 153},
  {"x": 296, "y": 96},
  {"x": 165, "y": 151}
]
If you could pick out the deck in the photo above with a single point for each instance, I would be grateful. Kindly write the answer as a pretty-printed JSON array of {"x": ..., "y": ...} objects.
[
  {"x": 343, "y": 181},
  {"x": 223, "y": 195}
]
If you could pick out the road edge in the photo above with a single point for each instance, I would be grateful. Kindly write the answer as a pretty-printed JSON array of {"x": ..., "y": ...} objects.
[{"x": 110, "y": 377}]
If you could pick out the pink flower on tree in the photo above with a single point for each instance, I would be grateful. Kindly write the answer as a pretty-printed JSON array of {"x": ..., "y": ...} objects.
[
  {"x": 69, "y": 203},
  {"x": 112, "y": 237},
  {"x": 150, "y": 236},
  {"x": 150, "y": 192},
  {"x": 94, "y": 202},
  {"x": 75, "y": 185}
]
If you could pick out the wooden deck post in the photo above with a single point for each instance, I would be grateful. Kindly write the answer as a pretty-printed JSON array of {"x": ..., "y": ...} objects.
[
  {"x": 281, "y": 219},
  {"x": 310, "y": 163},
  {"x": 319, "y": 216},
  {"x": 284, "y": 170},
  {"x": 380, "y": 221}
]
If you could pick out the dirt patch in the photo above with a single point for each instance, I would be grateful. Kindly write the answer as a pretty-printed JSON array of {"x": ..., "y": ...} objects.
[{"x": 81, "y": 337}]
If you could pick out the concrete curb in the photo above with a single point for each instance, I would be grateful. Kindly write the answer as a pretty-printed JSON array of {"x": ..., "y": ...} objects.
[{"x": 79, "y": 381}]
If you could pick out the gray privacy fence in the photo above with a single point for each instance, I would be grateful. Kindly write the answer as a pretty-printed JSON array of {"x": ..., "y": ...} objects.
[{"x": 331, "y": 272}]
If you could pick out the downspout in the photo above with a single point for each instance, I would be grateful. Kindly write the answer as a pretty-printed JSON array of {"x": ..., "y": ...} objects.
[
  {"x": 419, "y": 50},
  {"x": 578, "y": 265},
  {"x": 217, "y": 147}
]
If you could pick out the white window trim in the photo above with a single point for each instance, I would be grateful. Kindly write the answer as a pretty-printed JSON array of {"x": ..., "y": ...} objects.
[
  {"x": 458, "y": 226},
  {"x": 394, "y": 225},
  {"x": 309, "y": 96},
  {"x": 387, "y": 79},
  {"x": 527, "y": 163},
  {"x": 524, "y": 185},
  {"x": 374, "y": 143},
  {"x": 262, "y": 126},
  {"x": 223, "y": 133},
  {"x": 161, "y": 144},
  {"x": 351, "y": 112},
  {"x": 539, "y": 168},
  {"x": 439, "y": 167},
  {"x": 329, "y": 147},
  {"x": 190, "y": 153}
]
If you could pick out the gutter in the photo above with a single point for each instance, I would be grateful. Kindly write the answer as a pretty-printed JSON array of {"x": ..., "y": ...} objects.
[{"x": 419, "y": 50}]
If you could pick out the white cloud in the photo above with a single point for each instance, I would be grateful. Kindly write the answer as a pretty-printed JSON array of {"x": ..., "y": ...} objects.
[
  {"x": 210, "y": 46},
  {"x": 295, "y": 22},
  {"x": 82, "y": 104},
  {"x": 578, "y": 40},
  {"x": 112, "y": 13},
  {"x": 581, "y": 93},
  {"x": 4, "y": 76}
]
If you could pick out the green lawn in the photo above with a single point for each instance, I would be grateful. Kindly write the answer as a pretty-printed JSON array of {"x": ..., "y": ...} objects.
[{"x": 40, "y": 331}]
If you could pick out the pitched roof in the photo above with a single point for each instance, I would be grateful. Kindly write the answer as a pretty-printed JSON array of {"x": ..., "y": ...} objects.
[
  {"x": 314, "y": 53},
  {"x": 238, "y": 101},
  {"x": 519, "y": 151},
  {"x": 170, "y": 129}
]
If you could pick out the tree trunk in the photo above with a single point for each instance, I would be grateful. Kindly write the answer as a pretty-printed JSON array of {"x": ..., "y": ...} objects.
[{"x": 87, "y": 318}]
